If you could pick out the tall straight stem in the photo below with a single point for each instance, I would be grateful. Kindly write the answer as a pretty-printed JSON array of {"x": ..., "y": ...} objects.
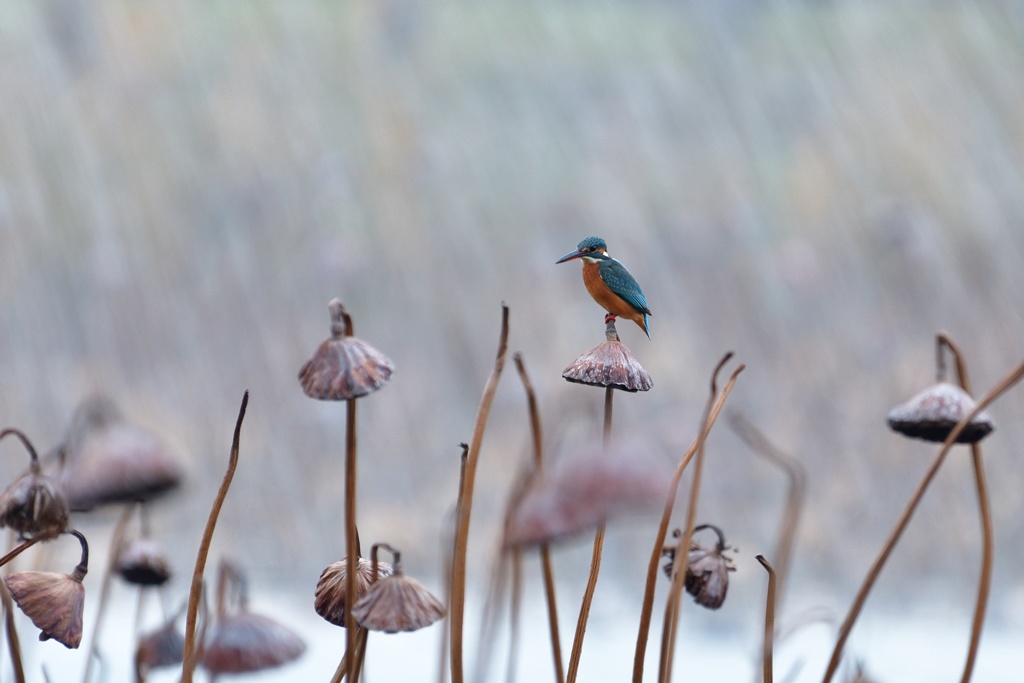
[
  {"x": 351, "y": 641},
  {"x": 595, "y": 562}
]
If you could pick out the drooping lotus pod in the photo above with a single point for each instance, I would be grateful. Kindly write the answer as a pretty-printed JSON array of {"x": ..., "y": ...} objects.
[
  {"x": 933, "y": 413},
  {"x": 329, "y": 601}
]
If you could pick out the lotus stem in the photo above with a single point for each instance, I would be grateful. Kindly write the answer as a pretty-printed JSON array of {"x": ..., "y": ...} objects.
[
  {"x": 464, "y": 507},
  {"x": 116, "y": 542},
  {"x": 188, "y": 664},
  {"x": 717, "y": 401},
  {"x": 769, "y": 619},
  {"x": 351, "y": 550}
]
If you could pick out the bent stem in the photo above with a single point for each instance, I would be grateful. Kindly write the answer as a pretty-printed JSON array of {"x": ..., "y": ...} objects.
[
  {"x": 464, "y": 507},
  {"x": 545, "y": 550},
  {"x": 188, "y": 663},
  {"x": 858, "y": 603},
  {"x": 769, "y": 618},
  {"x": 647, "y": 606},
  {"x": 442, "y": 666},
  {"x": 795, "y": 494},
  {"x": 984, "y": 512},
  {"x": 595, "y": 562}
]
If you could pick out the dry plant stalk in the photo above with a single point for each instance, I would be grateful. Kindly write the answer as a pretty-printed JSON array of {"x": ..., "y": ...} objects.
[
  {"x": 442, "y": 666},
  {"x": 795, "y": 493},
  {"x": 464, "y": 507},
  {"x": 672, "y": 605},
  {"x": 595, "y": 562},
  {"x": 189, "y": 659},
  {"x": 995, "y": 392},
  {"x": 545, "y": 550},
  {"x": 769, "y": 618},
  {"x": 716, "y": 402},
  {"x": 984, "y": 512}
]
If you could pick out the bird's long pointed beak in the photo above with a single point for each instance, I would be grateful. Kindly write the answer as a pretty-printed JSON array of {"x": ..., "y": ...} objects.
[{"x": 575, "y": 253}]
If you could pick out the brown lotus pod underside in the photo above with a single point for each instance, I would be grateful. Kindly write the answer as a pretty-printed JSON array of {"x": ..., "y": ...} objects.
[
  {"x": 344, "y": 368},
  {"x": 143, "y": 563},
  {"x": 246, "y": 642},
  {"x": 397, "y": 603},
  {"x": 585, "y": 488},
  {"x": 610, "y": 364},
  {"x": 329, "y": 601},
  {"x": 34, "y": 507},
  {"x": 119, "y": 462},
  {"x": 163, "y": 647},
  {"x": 932, "y": 414},
  {"x": 54, "y": 602}
]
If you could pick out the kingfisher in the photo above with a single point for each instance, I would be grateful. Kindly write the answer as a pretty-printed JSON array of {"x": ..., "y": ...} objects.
[{"x": 610, "y": 283}]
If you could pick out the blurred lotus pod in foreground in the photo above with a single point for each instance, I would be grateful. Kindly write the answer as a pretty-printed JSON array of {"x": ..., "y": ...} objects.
[
  {"x": 246, "y": 642},
  {"x": 610, "y": 364},
  {"x": 585, "y": 488},
  {"x": 108, "y": 459},
  {"x": 160, "y": 648},
  {"x": 932, "y": 414},
  {"x": 344, "y": 367}
]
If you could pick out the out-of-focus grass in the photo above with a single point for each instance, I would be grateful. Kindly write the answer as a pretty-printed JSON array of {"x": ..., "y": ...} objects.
[{"x": 817, "y": 186}]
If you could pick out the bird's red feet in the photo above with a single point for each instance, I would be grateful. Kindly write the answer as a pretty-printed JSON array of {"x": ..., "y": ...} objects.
[{"x": 609, "y": 318}]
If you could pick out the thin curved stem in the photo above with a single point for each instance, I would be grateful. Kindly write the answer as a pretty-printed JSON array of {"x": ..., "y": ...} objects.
[
  {"x": 545, "y": 551},
  {"x": 858, "y": 603},
  {"x": 647, "y": 606},
  {"x": 116, "y": 543},
  {"x": 769, "y": 619},
  {"x": 188, "y": 664},
  {"x": 351, "y": 551},
  {"x": 464, "y": 508},
  {"x": 13, "y": 431}
]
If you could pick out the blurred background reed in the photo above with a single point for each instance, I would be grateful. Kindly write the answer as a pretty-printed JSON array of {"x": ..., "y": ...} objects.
[{"x": 817, "y": 186}]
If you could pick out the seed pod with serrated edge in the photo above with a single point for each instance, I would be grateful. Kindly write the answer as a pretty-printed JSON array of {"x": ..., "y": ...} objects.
[
  {"x": 344, "y": 367},
  {"x": 610, "y": 364},
  {"x": 932, "y": 414},
  {"x": 329, "y": 601},
  {"x": 54, "y": 602},
  {"x": 397, "y": 602}
]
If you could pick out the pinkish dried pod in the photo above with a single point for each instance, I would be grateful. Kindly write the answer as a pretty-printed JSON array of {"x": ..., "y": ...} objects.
[
  {"x": 397, "y": 602},
  {"x": 583, "y": 489},
  {"x": 246, "y": 642},
  {"x": 707, "y": 569},
  {"x": 160, "y": 648},
  {"x": 610, "y": 364},
  {"x": 33, "y": 505},
  {"x": 142, "y": 561},
  {"x": 329, "y": 601},
  {"x": 932, "y": 414},
  {"x": 344, "y": 367},
  {"x": 54, "y": 602},
  {"x": 107, "y": 459}
]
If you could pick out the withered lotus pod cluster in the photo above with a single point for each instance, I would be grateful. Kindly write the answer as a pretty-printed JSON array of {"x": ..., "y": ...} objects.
[
  {"x": 609, "y": 364},
  {"x": 584, "y": 488},
  {"x": 54, "y": 602},
  {"x": 33, "y": 505},
  {"x": 933, "y": 413},
  {"x": 397, "y": 602},
  {"x": 329, "y": 600},
  {"x": 707, "y": 569},
  {"x": 344, "y": 367},
  {"x": 142, "y": 561},
  {"x": 241, "y": 641},
  {"x": 108, "y": 459}
]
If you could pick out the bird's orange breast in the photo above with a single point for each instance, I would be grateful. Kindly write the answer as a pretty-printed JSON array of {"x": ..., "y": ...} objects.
[{"x": 608, "y": 300}]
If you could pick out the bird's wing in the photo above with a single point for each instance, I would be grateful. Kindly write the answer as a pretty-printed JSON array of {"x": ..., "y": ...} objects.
[{"x": 622, "y": 283}]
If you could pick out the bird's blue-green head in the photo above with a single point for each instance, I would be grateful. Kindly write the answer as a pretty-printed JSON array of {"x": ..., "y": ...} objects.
[{"x": 593, "y": 248}]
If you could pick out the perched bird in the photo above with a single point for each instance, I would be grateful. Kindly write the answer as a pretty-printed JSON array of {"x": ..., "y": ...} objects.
[{"x": 610, "y": 283}]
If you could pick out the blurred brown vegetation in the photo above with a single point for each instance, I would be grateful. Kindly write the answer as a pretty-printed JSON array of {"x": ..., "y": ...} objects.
[{"x": 817, "y": 186}]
